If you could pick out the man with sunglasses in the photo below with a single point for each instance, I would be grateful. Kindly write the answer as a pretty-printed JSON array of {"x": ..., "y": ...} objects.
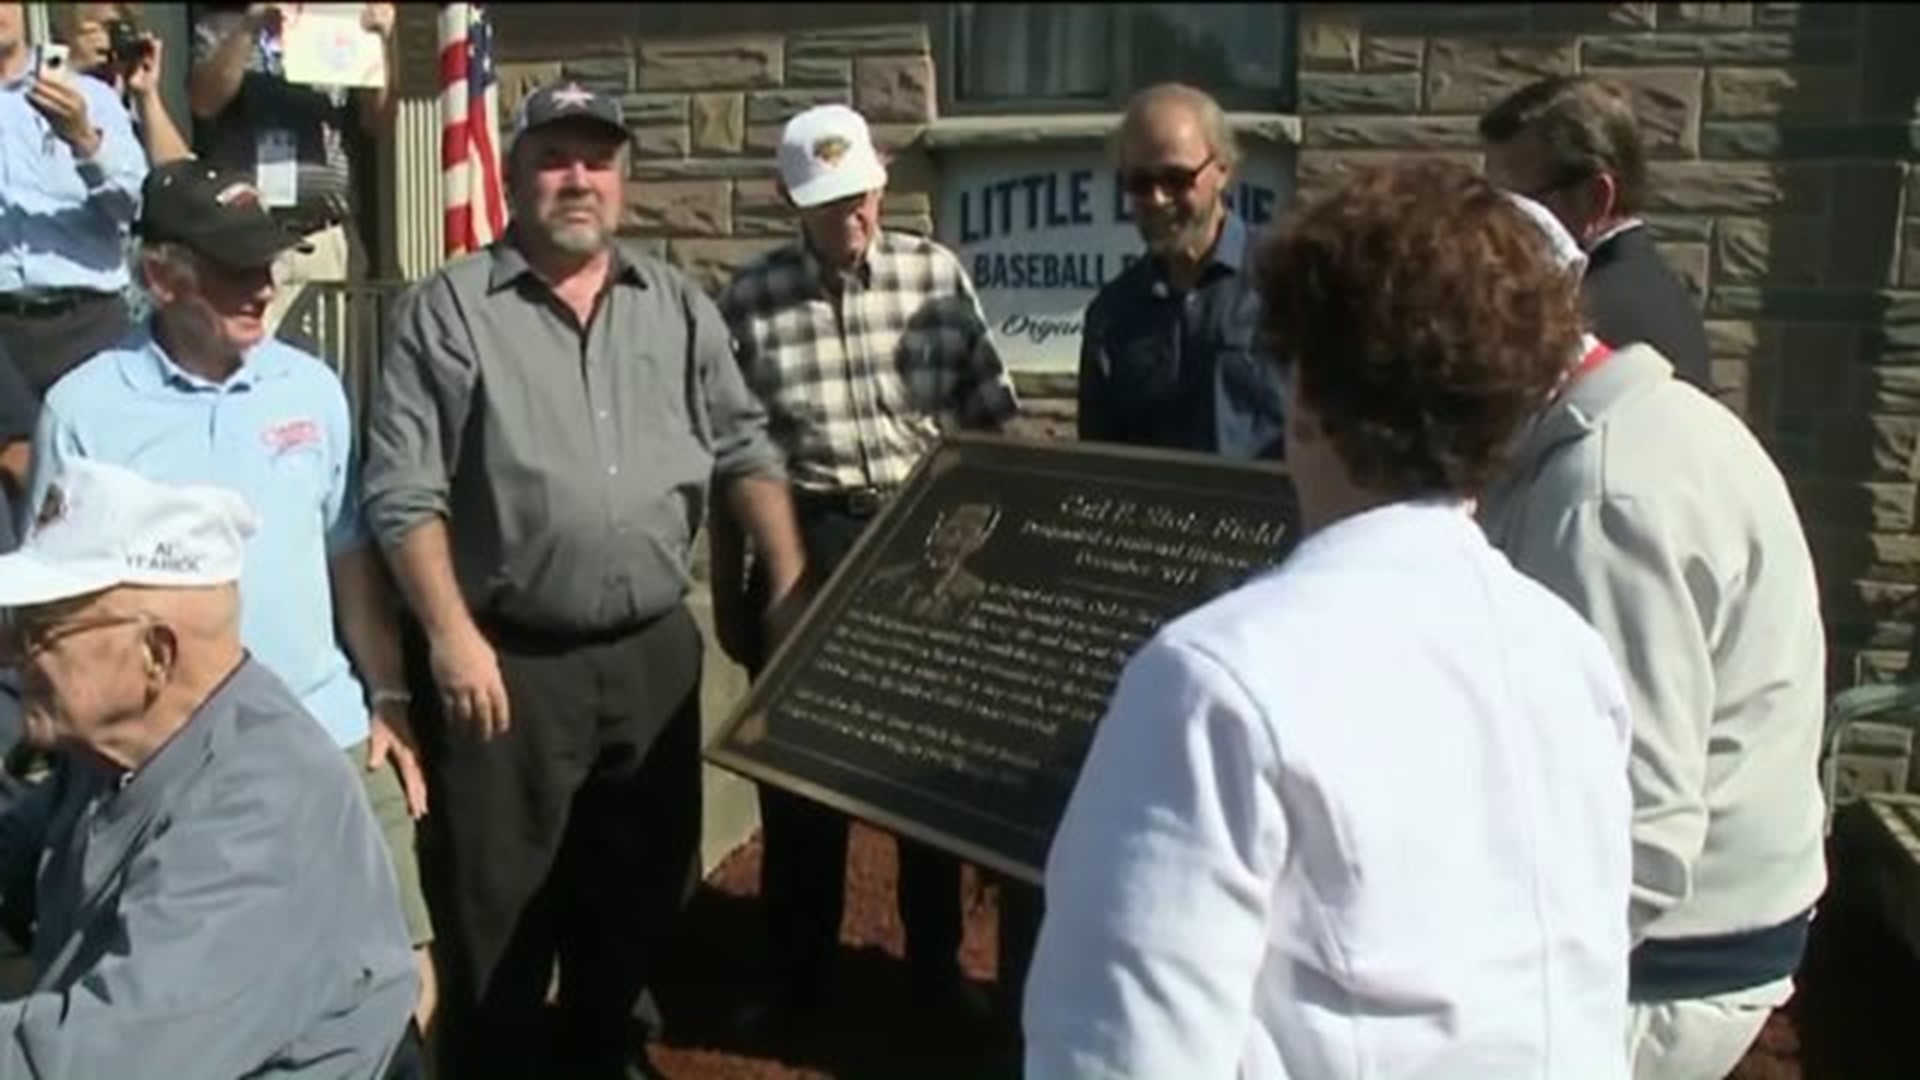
[
  {"x": 203, "y": 395},
  {"x": 864, "y": 345},
  {"x": 1167, "y": 356},
  {"x": 205, "y": 888},
  {"x": 1573, "y": 144}
]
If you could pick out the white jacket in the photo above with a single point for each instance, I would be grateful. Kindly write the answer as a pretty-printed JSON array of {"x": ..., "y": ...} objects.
[
  {"x": 1365, "y": 816},
  {"x": 1654, "y": 511}
]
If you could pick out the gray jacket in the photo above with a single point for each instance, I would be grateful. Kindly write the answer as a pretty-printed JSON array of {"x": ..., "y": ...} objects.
[{"x": 228, "y": 911}]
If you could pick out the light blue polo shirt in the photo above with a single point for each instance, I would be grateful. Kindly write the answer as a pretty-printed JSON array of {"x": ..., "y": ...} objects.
[{"x": 278, "y": 431}]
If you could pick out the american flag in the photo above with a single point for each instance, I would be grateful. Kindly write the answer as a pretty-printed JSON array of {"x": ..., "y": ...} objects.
[{"x": 469, "y": 130}]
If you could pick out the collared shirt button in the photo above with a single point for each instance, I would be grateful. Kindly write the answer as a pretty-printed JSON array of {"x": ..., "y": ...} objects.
[{"x": 613, "y": 470}]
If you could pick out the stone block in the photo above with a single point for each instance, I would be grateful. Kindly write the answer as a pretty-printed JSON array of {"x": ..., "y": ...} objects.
[
  {"x": 712, "y": 263},
  {"x": 1690, "y": 262},
  {"x": 1319, "y": 171},
  {"x": 719, "y": 123},
  {"x": 1740, "y": 47},
  {"x": 642, "y": 109},
  {"x": 894, "y": 89},
  {"x": 1814, "y": 361},
  {"x": 1878, "y": 505},
  {"x": 600, "y": 74},
  {"x": 1893, "y": 391},
  {"x": 1732, "y": 337},
  {"x": 819, "y": 71},
  {"x": 898, "y": 39},
  {"x": 652, "y": 141},
  {"x": 1884, "y": 310},
  {"x": 780, "y": 106},
  {"x": 1806, "y": 16},
  {"x": 1729, "y": 187},
  {"x": 680, "y": 207},
  {"x": 1588, "y": 18},
  {"x": 1910, "y": 256},
  {"x": 1670, "y": 228},
  {"x": 1467, "y": 75},
  {"x": 741, "y": 61},
  {"x": 1776, "y": 141},
  {"x": 517, "y": 80},
  {"x": 1370, "y": 93},
  {"x": 1385, "y": 55},
  {"x": 760, "y": 210},
  {"x": 1667, "y": 102},
  {"x": 1797, "y": 90},
  {"x": 748, "y": 168},
  {"x": 1705, "y": 16},
  {"x": 1328, "y": 44},
  {"x": 1389, "y": 132},
  {"x": 1409, "y": 19},
  {"x": 1778, "y": 250}
]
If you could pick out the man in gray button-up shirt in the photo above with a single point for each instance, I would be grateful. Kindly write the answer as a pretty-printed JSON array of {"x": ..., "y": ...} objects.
[
  {"x": 543, "y": 434},
  {"x": 205, "y": 887}
]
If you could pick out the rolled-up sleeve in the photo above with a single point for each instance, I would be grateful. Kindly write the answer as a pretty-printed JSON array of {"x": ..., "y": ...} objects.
[
  {"x": 737, "y": 419},
  {"x": 416, "y": 414},
  {"x": 208, "y": 981},
  {"x": 1159, "y": 883}
]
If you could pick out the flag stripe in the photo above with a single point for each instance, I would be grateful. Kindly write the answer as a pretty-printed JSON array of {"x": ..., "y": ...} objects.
[{"x": 470, "y": 115}]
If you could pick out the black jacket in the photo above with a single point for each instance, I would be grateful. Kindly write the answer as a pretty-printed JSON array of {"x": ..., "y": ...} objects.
[{"x": 1632, "y": 295}]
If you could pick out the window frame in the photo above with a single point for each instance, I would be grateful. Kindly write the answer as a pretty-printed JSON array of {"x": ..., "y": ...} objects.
[{"x": 946, "y": 34}]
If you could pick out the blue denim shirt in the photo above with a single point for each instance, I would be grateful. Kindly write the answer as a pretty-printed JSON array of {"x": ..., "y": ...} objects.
[{"x": 1163, "y": 368}]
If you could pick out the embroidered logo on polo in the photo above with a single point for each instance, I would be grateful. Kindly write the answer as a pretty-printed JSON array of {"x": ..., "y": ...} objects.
[{"x": 291, "y": 435}]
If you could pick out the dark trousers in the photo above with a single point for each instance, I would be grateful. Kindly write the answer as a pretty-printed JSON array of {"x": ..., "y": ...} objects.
[
  {"x": 574, "y": 836},
  {"x": 45, "y": 345},
  {"x": 804, "y": 845}
]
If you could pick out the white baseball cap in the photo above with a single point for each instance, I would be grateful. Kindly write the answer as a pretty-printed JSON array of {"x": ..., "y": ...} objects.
[
  {"x": 100, "y": 526},
  {"x": 1566, "y": 250},
  {"x": 827, "y": 153}
]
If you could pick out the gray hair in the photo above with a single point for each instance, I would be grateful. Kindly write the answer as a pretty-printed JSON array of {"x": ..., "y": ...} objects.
[
  {"x": 170, "y": 255},
  {"x": 1212, "y": 118}
]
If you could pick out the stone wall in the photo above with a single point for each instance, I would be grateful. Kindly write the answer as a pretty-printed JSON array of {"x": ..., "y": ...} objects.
[
  {"x": 1785, "y": 141},
  {"x": 706, "y": 113}
]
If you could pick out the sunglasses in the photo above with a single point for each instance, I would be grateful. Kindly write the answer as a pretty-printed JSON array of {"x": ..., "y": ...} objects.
[{"x": 1172, "y": 179}]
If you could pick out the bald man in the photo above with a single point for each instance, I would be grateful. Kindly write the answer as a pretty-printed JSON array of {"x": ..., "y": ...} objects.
[{"x": 207, "y": 889}]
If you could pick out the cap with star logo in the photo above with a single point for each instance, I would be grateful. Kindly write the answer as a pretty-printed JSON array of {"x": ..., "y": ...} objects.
[{"x": 569, "y": 102}]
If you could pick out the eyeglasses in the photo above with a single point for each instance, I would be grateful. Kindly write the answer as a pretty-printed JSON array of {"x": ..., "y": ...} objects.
[
  {"x": 22, "y": 640},
  {"x": 1172, "y": 179}
]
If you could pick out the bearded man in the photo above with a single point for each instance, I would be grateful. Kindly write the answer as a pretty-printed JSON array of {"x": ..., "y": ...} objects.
[
  {"x": 1167, "y": 353},
  {"x": 543, "y": 432}
]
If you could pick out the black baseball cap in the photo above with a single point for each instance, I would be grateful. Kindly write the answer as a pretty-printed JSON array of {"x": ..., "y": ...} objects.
[
  {"x": 220, "y": 217},
  {"x": 569, "y": 102}
]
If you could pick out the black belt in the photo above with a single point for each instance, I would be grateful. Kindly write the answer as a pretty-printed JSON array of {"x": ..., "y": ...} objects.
[
  {"x": 854, "y": 502},
  {"x": 1680, "y": 969},
  {"x": 50, "y": 301}
]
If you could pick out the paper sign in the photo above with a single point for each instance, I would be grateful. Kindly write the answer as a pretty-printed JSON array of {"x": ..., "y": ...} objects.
[{"x": 325, "y": 45}]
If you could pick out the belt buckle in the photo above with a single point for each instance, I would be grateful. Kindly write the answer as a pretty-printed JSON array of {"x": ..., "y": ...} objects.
[{"x": 864, "y": 502}]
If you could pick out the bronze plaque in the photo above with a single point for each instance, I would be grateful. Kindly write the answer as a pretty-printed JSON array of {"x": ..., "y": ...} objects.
[{"x": 946, "y": 682}]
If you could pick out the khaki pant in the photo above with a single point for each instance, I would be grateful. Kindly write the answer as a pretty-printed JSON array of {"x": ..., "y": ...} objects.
[
  {"x": 330, "y": 261},
  {"x": 1700, "y": 1039}
]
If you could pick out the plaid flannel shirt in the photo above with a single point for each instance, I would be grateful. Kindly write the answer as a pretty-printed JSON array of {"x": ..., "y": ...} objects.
[{"x": 856, "y": 392}]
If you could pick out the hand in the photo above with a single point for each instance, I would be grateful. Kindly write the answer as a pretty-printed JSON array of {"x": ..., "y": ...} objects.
[
  {"x": 66, "y": 111},
  {"x": 144, "y": 79},
  {"x": 379, "y": 19},
  {"x": 468, "y": 675},
  {"x": 392, "y": 738}
]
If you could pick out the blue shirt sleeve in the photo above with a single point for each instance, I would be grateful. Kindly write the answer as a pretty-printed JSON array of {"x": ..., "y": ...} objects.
[{"x": 117, "y": 170}]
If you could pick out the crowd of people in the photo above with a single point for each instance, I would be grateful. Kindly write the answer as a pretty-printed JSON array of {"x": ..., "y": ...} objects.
[{"x": 371, "y": 756}]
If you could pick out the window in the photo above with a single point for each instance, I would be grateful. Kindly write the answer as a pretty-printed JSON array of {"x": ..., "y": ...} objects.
[{"x": 1072, "y": 57}]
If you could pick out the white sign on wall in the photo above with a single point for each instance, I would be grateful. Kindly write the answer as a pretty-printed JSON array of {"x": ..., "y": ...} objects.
[{"x": 1040, "y": 231}]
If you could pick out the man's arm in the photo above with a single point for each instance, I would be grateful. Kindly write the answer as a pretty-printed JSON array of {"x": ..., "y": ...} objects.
[
  {"x": 379, "y": 104},
  {"x": 164, "y": 143},
  {"x": 1158, "y": 883},
  {"x": 216, "y": 922},
  {"x": 223, "y": 47},
  {"x": 1616, "y": 564},
  {"x": 986, "y": 396},
  {"x": 419, "y": 409},
  {"x": 86, "y": 115}
]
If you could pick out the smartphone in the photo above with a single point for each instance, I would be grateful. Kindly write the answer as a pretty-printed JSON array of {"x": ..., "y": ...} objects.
[{"x": 53, "y": 61}]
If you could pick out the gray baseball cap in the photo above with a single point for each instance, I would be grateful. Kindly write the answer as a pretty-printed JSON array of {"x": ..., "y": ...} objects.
[{"x": 569, "y": 102}]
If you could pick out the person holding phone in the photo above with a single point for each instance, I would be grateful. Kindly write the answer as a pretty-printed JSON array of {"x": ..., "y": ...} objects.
[
  {"x": 74, "y": 172},
  {"x": 107, "y": 42}
]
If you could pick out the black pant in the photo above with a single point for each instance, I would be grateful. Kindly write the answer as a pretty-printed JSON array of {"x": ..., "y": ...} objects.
[
  {"x": 45, "y": 345},
  {"x": 804, "y": 845},
  {"x": 574, "y": 836}
]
